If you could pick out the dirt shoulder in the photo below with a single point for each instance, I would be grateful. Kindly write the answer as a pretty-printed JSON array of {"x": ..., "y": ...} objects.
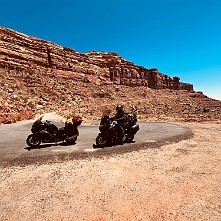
[{"x": 179, "y": 181}]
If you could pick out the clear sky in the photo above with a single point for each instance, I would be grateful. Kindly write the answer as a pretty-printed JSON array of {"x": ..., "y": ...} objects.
[{"x": 178, "y": 37}]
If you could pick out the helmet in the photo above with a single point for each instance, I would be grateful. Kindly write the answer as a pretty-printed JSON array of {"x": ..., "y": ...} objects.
[{"x": 119, "y": 108}]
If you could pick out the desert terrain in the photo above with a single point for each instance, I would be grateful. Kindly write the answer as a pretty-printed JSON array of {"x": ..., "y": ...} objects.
[{"x": 179, "y": 181}]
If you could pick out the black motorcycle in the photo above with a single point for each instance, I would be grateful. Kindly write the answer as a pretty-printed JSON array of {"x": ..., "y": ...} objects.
[
  {"x": 110, "y": 132},
  {"x": 46, "y": 132},
  {"x": 130, "y": 127}
]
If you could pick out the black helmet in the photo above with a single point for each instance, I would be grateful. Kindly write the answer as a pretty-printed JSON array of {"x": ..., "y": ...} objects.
[{"x": 119, "y": 108}]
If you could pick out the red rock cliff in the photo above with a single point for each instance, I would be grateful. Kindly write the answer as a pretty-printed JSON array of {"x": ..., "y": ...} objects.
[{"x": 21, "y": 52}]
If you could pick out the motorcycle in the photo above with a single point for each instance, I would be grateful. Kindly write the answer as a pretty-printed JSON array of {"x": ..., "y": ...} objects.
[
  {"x": 46, "y": 132},
  {"x": 110, "y": 132},
  {"x": 131, "y": 127}
]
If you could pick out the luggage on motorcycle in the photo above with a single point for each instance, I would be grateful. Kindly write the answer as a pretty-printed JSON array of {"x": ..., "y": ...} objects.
[{"x": 76, "y": 121}]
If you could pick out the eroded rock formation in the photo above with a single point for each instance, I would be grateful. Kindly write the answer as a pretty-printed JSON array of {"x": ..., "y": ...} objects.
[
  {"x": 38, "y": 76},
  {"x": 21, "y": 52}
]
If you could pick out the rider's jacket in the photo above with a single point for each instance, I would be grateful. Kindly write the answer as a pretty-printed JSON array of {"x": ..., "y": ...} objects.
[{"x": 120, "y": 116}]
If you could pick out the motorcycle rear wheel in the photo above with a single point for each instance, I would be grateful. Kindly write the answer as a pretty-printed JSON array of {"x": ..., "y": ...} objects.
[
  {"x": 33, "y": 141},
  {"x": 71, "y": 141}
]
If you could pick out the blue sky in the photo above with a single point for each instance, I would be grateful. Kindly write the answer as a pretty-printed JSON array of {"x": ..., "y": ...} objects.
[{"x": 178, "y": 37}]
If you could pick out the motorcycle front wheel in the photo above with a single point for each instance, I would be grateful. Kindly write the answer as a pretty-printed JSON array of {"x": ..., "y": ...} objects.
[
  {"x": 101, "y": 141},
  {"x": 33, "y": 141},
  {"x": 129, "y": 138}
]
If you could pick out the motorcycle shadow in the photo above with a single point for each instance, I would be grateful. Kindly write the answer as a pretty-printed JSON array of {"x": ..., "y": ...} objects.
[
  {"x": 42, "y": 146},
  {"x": 95, "y": 146}
]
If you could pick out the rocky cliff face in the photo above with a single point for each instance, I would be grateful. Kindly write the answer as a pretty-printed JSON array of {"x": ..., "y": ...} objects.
[
  {"x": 37, "y": 76},
  {"x": 21, "y": 52}
]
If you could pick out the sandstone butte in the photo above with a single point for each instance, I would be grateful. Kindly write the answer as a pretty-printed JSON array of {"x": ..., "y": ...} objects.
[{"x": 39, "y": 76}]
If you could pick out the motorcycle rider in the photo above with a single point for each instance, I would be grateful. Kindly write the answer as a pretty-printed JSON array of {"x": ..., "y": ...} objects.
[
  {"x": 120, "y": 117},
  {"x": 105, "y": 117}
]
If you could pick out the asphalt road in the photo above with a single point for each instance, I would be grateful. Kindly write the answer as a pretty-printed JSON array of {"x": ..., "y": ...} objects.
[{"x": 14, "y": 150}]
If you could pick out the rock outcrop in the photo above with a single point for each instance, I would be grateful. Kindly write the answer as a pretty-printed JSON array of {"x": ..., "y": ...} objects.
[{"x": 22, "y": 52}]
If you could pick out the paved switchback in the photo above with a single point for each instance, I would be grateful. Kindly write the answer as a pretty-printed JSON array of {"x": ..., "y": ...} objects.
[{"x": 14, "y": 150}]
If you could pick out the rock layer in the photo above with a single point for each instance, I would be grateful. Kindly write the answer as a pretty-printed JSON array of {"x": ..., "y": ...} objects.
[{"x": 22, "y": 52}]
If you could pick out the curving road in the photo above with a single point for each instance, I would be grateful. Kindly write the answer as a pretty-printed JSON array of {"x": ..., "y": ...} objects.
[{"x": 14, "y": 150}]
